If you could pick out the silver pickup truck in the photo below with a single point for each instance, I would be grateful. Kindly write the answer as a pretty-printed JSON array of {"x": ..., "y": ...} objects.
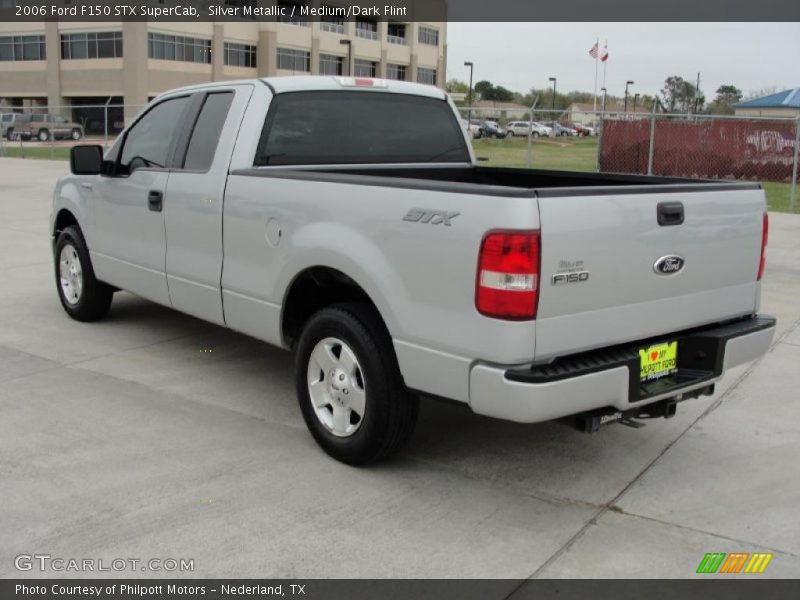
[{"x": 347, "y": 220}]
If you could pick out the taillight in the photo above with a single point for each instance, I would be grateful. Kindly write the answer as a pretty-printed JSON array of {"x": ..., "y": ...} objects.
[
  {"x": 764, "y": 236},
  {"x": 507, "y": 285}
]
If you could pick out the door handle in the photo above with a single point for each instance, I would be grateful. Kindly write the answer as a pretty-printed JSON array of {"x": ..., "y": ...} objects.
[
  {"x": 155, "y": 200},
  {"x": 669, "y": 213}
]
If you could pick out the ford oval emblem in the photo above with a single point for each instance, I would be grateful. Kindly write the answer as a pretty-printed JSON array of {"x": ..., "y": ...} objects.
[{"x": 669, "y": 265}]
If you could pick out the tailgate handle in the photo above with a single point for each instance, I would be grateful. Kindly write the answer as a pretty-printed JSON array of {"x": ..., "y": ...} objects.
[{"x": 670, "y": 213}]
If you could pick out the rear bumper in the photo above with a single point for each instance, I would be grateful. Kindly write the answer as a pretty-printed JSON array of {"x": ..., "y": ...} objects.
[{"x": 609, "y": 378}]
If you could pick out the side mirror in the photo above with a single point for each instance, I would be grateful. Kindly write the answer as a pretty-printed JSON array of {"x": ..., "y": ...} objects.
[{"x": 86, "y": 160}]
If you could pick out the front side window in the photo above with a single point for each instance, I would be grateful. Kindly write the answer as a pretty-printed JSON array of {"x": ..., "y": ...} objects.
[
  {"x": 340, "y": 127},
  {"x": 148, "y": 142}
]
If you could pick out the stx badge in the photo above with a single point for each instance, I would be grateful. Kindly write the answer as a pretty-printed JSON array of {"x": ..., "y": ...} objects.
[{"x": 434, "y": 217}]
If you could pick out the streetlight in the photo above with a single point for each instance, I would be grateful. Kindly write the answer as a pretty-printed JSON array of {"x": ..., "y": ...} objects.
[
  {"x": 627, "y": 83},
  {"x": 469, "y": 93},
  {"x": 349, "y": 44},
  {"x": 635, "y": 97},
  {"x": 553, "y": 79}
]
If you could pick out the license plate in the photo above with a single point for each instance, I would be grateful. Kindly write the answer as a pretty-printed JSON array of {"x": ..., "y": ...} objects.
[{"x": 658, "y": 361}]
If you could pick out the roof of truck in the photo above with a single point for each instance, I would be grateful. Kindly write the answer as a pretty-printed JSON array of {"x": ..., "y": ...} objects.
[{"x": 305, "y": 83}]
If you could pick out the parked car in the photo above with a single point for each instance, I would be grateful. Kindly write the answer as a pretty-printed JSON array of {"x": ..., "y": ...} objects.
[
  {"x": 473, "y": 129},
  {"x": 45, "y": 126},
  {"x": 13, "y": 125},
  {"x": 542, "y": 129},
  {"x": 395, "y": 267},
  {"x": 492, "y": 129},
  {"x": 584, "y": 130},
  {"x": 521, "y": 128},
  {"x": 563, "y": 130}
]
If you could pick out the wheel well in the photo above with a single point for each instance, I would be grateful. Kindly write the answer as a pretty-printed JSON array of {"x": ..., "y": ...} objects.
[
  {"x": 64, "y": 219},
  {"x": 314, "y": 289}
]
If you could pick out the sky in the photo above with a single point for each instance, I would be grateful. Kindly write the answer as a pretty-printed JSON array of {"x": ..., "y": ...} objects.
[{"x": 520, "y": 56}]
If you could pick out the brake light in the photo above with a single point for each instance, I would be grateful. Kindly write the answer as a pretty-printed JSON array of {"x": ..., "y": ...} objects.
[
  {"x": 507, "y": 284},
  {"x": 764, "y": 236}
]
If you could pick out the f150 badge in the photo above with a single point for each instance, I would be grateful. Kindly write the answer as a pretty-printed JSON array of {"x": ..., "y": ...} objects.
[
  {"x": 434, "y": 217},
  {"x": 570, "y": 271},
  {"x": 669, "y": 265}
]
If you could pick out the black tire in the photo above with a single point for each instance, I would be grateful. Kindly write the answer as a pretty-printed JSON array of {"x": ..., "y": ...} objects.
[
  {"x": 390, "y": 412},
  {"x": 509, "y": 134},
  {"x": 43, "y": 135},
  {"x": 76, "y": 134},
  {"x": 534, "y": 134},
  {"x": 10, "y": 134},
  {"x": 95, "y": 296}
]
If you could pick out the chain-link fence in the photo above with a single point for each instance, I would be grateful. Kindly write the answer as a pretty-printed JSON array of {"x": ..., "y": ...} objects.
[
  {"x": 41, "y": 131},
  {"x": 705, "y": 146},
  {"x": 694, "y": 146}
]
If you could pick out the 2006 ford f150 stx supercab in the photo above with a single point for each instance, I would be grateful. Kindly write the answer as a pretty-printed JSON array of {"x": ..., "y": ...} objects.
[{"x": 347, "y": 220}]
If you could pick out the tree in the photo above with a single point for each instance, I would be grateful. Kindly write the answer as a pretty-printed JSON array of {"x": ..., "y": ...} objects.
[
  {"x": 680, "y": 95},
  {"x": 456, "y": 86},
  {"x": 727, "y": 96},
  {"x": 484, "y": 88}
]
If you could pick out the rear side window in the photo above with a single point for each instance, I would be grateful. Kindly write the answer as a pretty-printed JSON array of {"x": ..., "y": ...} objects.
[
  {"x": 304, "y": 128},
  {"x": 207, "y": 130}
]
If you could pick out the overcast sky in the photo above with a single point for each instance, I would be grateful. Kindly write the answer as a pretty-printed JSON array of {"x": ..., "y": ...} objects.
[{"x": 520, "y": 56}]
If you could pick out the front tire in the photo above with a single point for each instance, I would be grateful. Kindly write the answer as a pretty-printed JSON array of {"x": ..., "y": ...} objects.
[
  {"x": 44, "y": 135},
  {"x": 349, "y": 386},
  {"x": 76, "y": 134},
  {"x": 83, "y": 297}
]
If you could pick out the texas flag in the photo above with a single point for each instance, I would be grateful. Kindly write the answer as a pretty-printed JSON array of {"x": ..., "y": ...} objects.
[{"x": 604, "y": 54}]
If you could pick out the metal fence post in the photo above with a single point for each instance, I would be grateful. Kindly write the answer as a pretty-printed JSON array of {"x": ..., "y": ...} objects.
[
  {"x": 652, "y": 144},
  {"x": 793, "y": 192},
  {"x": 529, "y": 160}
]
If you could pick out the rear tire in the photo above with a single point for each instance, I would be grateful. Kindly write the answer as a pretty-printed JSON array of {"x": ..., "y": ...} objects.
[
  {"x": 10, "y": 134},
  {"x": 349, "y": 386},
  {"x": 76, "y": 134},
  {"x": 83, "y": 297},
  {"x": 44, "y": 135}
]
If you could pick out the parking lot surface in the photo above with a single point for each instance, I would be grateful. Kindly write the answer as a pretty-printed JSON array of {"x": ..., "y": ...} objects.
[{"x": 154, "y": 435}]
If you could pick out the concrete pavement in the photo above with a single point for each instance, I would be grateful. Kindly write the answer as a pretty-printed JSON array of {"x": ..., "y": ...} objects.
[{"x": 154, "y": 435}]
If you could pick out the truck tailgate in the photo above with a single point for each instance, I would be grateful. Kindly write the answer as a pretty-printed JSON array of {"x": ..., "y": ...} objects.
[{"x": 599, "y": 282}]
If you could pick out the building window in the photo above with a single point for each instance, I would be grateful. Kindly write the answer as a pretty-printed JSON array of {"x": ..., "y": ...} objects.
[
  {"x": 96, "y": 44},
  {"x": 429, "y": 35},
  {"x": 427, "y": 76},
  {"x": 330, "y": 64},
  {"x": 334, "y": 20},
  {"x": 367, "y": 29},
  {"x": 177, "y": 47},
  {"x": 365, "y": 68},
  {"x": 240, "y": 55},
  {"x": 397, "y": 34},
  {"x": 294, "y": 60},
  {"x": 22, "y": 47},
  {"x": 290, "y": 14},
  {"x": 396, "y": 72}
]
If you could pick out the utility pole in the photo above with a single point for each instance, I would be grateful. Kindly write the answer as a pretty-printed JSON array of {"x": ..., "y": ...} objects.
[
  {"x": 469, "y": 94},
  {"x": 697, "y": 95}
]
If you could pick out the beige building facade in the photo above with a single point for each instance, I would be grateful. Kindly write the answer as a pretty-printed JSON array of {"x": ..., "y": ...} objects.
[{"x": 68, "y": 64}]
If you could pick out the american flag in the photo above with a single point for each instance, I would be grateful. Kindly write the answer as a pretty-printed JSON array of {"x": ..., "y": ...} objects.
[{"x": 595, "y": 49}]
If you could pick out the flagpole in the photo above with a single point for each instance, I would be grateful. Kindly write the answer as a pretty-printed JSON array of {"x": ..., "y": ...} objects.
[
  {"x": 605, "y": 63},
  {"x": 596, "y": 59}
]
